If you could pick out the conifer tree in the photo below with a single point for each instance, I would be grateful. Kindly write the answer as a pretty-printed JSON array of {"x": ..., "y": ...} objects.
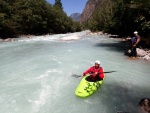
[{"x": 58, "y": 4}]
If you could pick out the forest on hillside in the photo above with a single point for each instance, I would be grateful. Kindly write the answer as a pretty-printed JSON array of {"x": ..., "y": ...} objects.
[
  {"x": 121, "y": 17},
  {"x": 36, "y": 17}
]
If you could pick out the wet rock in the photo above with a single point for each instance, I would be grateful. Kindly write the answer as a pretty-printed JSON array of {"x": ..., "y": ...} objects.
[
  {"x": 146, "y": 57},
  {"x": 145, "y": 54},
  {"x": 141, "y": 52},
  {"x": 145, "y": 104},
  {"x": 7, "y": 40},
  {"x": 100, "y": 33},
  {"x": 13, "y": 39}
]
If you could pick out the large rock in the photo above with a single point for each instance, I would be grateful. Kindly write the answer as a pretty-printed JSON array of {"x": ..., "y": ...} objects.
[
  {"x": 7, "y": 40},
  {"x": 13, "y": 39},
  {"x": 145, "y": 54},
  {"x": 141, "y": 52},
  {"x": 145, "y": 104},
  {"x": 146, "y": 57}
]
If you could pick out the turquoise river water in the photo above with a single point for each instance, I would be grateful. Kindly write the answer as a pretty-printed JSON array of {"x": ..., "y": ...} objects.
[{"x": 35, "y": 75}]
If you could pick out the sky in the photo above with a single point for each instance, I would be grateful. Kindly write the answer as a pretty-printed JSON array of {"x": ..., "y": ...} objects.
[{"x": 72, "y": 6}]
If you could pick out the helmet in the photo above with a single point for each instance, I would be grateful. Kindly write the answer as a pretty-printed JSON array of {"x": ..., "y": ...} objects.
[
  {"x": 97, "y": 62},
  {"x": 135, "y": 32}
]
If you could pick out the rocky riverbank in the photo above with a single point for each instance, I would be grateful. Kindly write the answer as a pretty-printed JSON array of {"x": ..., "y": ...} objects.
[
  {"x": 15, "y": 39},
  {"x": 8, "y": 40},
  {"x": 142, "y": 53},
  {"x": 101, "y": 33}
]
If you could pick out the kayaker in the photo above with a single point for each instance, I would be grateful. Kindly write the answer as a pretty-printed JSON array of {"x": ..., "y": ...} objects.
[
  {"x": 96, "y": 72},
  {"x": 135, "y": 44}
]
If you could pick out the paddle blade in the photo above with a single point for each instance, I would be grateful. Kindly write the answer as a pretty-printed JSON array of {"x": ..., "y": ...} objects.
[
  {"x": 110, "y": 71},
  {"x": 75, "y": 75}
]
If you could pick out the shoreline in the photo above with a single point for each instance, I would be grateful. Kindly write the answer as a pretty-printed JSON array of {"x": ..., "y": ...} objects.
[
  {"x": 142, "y": 53},
  {"x": 28, "y": 37},
  {"x": 8, "y": 40}
]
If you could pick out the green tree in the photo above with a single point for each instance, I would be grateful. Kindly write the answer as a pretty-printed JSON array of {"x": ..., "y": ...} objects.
[
  {"x": 58, "y": 4},
  {"x": 101, "y": 17},
  {"x": 131, "y": 15},
  {"x": 121, "y": 17},
  {"x": 33, "y": 17}
]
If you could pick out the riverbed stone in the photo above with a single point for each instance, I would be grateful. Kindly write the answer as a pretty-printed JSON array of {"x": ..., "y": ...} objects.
[
  {"x": 7, "y": 40},
  {"x": 146, "y": 57},
  {"x": 141, "y": 52}
]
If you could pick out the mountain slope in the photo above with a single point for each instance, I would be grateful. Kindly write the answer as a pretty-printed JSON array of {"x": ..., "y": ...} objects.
[
  {"x": 88, "y": 10},
  {"x": 75, "y": 16}
]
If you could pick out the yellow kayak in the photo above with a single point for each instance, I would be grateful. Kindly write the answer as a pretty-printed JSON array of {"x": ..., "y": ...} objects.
[{"x": 86, "y": 88}]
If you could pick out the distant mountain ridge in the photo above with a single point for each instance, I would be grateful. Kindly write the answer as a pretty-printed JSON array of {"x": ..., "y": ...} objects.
[{"x": 75, "y": 16}]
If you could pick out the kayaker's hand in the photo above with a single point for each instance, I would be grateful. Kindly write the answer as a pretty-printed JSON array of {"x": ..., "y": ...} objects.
[
  {"x": 82, "y": 75},
  {"x": 96, "y": 73}
]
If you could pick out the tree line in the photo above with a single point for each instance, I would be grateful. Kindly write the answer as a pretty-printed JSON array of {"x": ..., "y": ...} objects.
[
  {"x": 36, "y": 17},
  {"x": 121, "y": 17}
]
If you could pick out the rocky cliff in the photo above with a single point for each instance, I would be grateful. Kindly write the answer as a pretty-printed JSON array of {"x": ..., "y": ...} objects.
[{"x": 88, "y": 10}]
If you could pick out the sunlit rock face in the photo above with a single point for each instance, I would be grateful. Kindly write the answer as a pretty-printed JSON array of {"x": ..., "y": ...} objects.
[{"x": 88, "y": 10}]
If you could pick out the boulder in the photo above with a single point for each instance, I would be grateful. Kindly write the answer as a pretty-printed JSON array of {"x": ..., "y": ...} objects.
[
  {"x": 100, "y": 33},
  {"x": 146, "y": 57},
  {"x": 7, "y": 40},
  {"x": 141, "y": 52},
  {"x": 144, "y": 104},
  {"x": 13, "y": 39}
]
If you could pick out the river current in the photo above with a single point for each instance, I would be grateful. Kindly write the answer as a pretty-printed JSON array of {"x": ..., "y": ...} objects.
[{"x": 35, "y": 75}]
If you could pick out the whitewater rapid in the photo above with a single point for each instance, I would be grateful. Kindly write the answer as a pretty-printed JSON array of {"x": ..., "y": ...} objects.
[{"x": 35, "y": 75}]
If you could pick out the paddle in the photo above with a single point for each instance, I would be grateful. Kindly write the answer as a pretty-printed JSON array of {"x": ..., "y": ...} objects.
[{"x": 75, "y": 75}]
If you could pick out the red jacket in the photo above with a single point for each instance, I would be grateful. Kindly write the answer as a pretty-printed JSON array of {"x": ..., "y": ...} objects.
[{"x": 92, "y": 70}]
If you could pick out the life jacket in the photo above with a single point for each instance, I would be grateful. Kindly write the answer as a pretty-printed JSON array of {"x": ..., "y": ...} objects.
[{"x": 95, "y": 70}]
